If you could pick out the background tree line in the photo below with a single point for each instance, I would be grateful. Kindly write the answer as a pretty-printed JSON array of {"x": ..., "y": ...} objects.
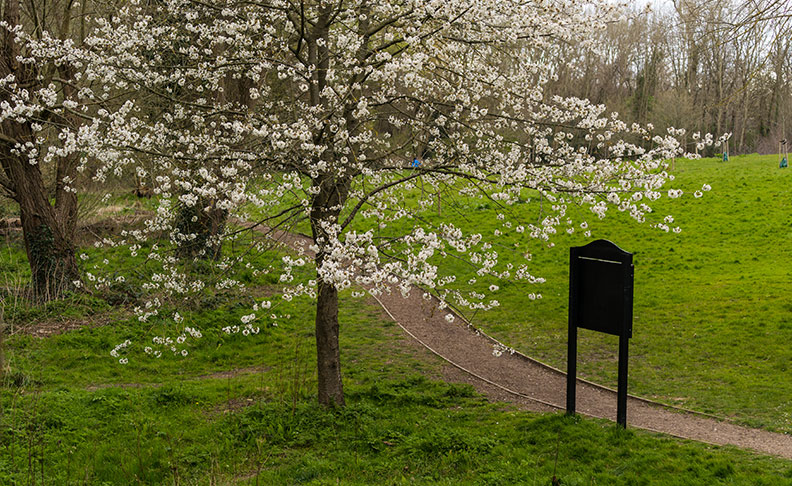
[{"x": 712, "y": 66}]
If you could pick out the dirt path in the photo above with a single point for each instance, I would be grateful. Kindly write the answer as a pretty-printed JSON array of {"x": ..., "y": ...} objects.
[
  {"x": 517, "y": 378},
  {"x": 533, "y": 385}
]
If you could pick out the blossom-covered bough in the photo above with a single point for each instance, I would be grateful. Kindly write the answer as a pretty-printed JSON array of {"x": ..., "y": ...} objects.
[{"x": 360, "y": 118}]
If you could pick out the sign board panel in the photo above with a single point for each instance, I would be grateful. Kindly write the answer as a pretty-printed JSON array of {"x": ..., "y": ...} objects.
[{"x": 601, "y": 288}]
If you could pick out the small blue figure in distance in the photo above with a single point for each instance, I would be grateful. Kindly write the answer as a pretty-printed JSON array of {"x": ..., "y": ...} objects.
[
  {"x": 416, "y": 162},
  {"x": 784, "y": 163}
]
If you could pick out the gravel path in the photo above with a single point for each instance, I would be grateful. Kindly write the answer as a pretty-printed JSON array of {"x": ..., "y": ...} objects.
[
  {"x": 517, "y": 378},
  {"x": 533, "y": 385}
]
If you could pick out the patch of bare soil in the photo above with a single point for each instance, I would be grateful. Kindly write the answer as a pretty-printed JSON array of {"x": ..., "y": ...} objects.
[
  {"x": 10, "y": 223},
  {"x": 105, "y": 221},
  {"x": 211, "y": 376},
  {"x": 263, "y": 291},
  {"x": 103, "y": 386},
  {"x": 52, "y": 327},
  {"x": 233, "y": 405},
  {"x": 10, "y": 228},
  {"x": 110, "y": 221},
  {"x": 235, "y": 372}
]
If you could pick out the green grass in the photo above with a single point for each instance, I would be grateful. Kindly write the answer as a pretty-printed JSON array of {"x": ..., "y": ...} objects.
[
  {"x": 712, "y": 314},
  {"x": 171, "y": 422},
  {"x": 707, "y": 330},
  {"x": 404, "y": 431}
]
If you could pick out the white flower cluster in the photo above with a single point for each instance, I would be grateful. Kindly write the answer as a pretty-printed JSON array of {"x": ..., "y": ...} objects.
[
  {"x": 498, "y": 349},
  {"x": 121, "y": 347},
  {"x": 246, "y": 329},
  {"x": 167, "y": 343}
]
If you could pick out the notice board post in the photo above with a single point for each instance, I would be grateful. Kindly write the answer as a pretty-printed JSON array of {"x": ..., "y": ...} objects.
[{"x": 601, "y": 299}]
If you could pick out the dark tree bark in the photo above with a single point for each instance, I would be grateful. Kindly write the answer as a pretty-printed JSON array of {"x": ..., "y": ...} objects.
[
  {"x": 326, "y": 207},
  {"x": 48, "y": 230},
  {"x": 49, "y": 240},
  {"x": 207, "y": 223},
  {"x": 328, "y": 352}
]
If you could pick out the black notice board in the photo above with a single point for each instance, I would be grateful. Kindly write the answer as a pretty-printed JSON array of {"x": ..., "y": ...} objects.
[
  {"x": 601, "y": 299},
  {"x": 601, "y": 288}
]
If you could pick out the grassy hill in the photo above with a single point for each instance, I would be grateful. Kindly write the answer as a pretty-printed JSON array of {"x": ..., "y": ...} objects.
[{"x": 713, "y": 308}]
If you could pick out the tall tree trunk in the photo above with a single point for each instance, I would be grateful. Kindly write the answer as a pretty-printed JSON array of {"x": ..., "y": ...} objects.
[
  {"x": 49, "y": 239},
  {"x": 325, "y": 208},
  {"x": 50, "y": 252},
  {"x": 48, "y": 231}
]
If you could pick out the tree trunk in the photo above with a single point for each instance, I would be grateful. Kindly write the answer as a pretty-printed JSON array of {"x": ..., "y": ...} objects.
[
  {"x": 207, "y": 223},
  {"x": 325, "y": 208},
  {"x": 48, "y": 231},
  {"x": 48, "y": 239},
  {"x": 49, "y": 242},
  {"x": 53, "y": 265},
  {"x": 328, "y": 351}
]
